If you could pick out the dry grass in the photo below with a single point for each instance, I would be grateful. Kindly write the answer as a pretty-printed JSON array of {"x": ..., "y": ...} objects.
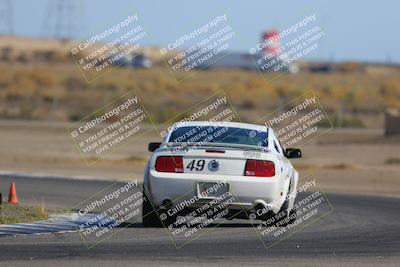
[
  {"x": 59, "y": 92},
  {"x": 10, "y": 213},
  {"x": 392, "y": 161}
]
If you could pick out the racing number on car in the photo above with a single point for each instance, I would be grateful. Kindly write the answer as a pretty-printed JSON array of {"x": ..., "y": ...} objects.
[{"x": 198, "y": 166}]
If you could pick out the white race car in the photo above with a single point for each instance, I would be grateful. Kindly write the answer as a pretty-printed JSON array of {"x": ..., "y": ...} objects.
[{"x": 198, "y": 162}]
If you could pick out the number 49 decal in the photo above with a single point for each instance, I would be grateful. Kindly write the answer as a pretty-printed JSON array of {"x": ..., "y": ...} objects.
[{"x": 196, "y": 165}]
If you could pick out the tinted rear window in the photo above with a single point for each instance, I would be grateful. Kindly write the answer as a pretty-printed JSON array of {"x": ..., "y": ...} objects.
[{"x": 213, "y": 134}]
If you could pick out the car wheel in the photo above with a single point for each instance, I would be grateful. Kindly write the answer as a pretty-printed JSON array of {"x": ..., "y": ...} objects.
[
  {"x": 293, "y": 215},
  {"x": 149, "y": 215},
  {"x": 288, "y": 217}
]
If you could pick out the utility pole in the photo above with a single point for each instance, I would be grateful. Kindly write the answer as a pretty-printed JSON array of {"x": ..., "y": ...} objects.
[
  {"x": 63, "y": 19},
  {"x": 6, "y": 18}
]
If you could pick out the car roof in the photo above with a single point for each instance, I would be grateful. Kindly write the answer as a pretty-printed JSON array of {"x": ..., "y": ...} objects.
[{"x": 222, "y": 124}]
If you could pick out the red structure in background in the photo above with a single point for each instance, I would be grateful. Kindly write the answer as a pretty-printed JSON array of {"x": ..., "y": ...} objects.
[{"x": 271, "y": 39}]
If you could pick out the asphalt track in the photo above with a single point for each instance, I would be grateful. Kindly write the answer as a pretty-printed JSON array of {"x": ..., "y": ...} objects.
[{"x": 361, "y": 230}]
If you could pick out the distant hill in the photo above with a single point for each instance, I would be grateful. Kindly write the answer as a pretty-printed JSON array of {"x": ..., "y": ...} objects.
[{"x": 26, "y": 49}]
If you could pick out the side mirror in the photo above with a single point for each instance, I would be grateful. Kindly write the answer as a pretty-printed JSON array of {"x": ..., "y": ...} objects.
[
  {"x": 292, "y": 153},
  {"x": 153, "y": 146}
]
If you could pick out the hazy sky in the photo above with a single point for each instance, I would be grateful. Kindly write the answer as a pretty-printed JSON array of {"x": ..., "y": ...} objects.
[{"x": 354, "y": 29}]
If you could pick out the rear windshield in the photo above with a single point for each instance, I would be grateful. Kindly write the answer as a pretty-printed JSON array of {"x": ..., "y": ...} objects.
[{"x": 218, "y": 134}]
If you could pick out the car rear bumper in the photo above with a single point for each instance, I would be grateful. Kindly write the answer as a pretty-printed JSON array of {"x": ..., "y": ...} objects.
[{"x": 246, "y": 191}]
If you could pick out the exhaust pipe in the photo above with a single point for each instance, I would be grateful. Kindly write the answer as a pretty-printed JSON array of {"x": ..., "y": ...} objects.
[{"x": 166, "y": 203}]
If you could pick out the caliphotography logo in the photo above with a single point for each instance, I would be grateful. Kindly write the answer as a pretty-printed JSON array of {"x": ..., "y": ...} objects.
[
  {"x": 109, "y": 127},
  {"x": 299, "y": 121},
  {"x": 278, "y": 52},
  {"x": 199, "y": 48},
  {"x": 97, "y": 55}
]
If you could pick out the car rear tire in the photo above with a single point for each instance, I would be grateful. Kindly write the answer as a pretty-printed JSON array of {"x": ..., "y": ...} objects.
[
  {"x": 150, "y": 217},
  {"x": 283, "y": 214},
  {"x": 149, "y": 214},
  {"x": 289, "y": 217}
]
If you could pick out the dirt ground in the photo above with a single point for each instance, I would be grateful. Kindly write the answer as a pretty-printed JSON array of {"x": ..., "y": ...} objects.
[{"x": 355, "y": 161}]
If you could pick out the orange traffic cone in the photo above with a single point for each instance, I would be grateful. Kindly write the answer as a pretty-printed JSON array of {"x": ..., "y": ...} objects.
[{"x": 12, "y": 196}]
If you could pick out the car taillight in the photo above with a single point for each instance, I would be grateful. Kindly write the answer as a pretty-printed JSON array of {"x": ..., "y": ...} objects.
[
  {"x": 259, "y": 168},
  {"x": 169, "y": 164}
]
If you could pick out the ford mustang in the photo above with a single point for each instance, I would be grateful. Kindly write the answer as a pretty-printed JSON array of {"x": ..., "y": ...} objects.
[{"x": 198, "y": 162}]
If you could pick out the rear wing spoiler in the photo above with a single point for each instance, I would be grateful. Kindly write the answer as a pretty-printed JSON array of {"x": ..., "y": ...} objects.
[{"x": 215, "y": 145}]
